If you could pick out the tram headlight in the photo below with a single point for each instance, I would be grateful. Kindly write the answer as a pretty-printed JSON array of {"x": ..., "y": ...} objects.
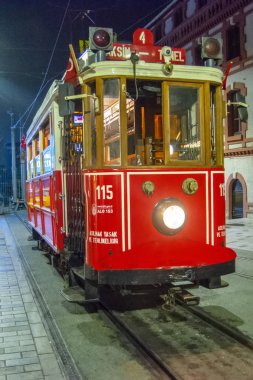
[
  {"x": 174, "y": 217},
  {"x": 169, "y": 216}
]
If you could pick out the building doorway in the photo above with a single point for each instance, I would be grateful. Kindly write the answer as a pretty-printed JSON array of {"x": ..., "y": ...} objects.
[{"x": 237, "y": 199}]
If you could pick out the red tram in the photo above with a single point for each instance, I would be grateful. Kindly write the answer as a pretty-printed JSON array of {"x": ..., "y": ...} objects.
[{"x": 125, "y": 169}]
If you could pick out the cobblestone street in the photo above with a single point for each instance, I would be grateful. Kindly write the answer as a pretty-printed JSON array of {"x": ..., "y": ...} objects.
[{"x": 26, "y": 352}]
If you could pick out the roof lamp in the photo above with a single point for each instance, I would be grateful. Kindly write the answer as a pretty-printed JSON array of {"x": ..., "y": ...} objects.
[
  {"x": 211, "y": 48},
  {"x": 100, "y": 38}
]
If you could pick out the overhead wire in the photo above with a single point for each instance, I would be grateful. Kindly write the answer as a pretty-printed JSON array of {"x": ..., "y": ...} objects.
[
  {"x": 30, "y": 108},
  {"x": 142, "y": 18},
  {"x": 34, "y": 100},
  {"x": 43, "y": 84}
]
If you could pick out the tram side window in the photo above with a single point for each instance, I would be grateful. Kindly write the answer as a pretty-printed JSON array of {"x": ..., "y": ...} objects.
[
  {"x": 89, "y": 122},
  {"x": 36, "y": 151},
  {"x": 184, "y": 116},
  {"x": 29, "y": 161},
  {"x": 212, "y": 125},
  {"x": 112, "y": 152},
  {"x": 144, "y": 123},
  {"x": 46, "y": 154},
  {"x": 46, "y": 136}
]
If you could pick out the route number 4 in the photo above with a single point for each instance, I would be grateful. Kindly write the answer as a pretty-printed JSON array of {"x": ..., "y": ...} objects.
[
  {"x": 142, "y": 38},
  {"x": 104, "y": 192}
]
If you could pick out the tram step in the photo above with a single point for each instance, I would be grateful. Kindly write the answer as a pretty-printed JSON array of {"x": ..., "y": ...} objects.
[
  {"x": 77, "y": 276},
  {"x": 75, "y": 294}
]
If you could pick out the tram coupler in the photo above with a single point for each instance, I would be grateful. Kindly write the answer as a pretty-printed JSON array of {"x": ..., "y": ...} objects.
[
  {"x": 187, "y": 298},
  {"x": 177, "y": 294}
]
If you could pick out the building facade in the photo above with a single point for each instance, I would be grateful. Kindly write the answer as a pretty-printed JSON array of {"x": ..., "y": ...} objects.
[{"x": 181, "y": 24}]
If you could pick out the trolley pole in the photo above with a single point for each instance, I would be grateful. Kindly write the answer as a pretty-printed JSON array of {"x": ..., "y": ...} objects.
[{"x": 13, "y": 159}]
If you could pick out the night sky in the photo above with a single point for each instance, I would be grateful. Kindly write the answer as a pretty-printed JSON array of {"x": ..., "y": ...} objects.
[{"x": 29, "y": 31}]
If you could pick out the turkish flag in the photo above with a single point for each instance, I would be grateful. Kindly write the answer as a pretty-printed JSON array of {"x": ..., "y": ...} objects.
[
  {"x": 224, "y": 82},
  {"x": 23, "y": 143},
  {"x": 71, "y": 74}
]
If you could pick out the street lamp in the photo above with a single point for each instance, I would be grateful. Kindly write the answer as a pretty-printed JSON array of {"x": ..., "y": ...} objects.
[{"x": 13, "y": 159}]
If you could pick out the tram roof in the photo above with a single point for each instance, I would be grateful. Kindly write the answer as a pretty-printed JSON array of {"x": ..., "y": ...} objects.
[
  {"x": 184, "y": 73},
  {"x": 44, "y": 108}
]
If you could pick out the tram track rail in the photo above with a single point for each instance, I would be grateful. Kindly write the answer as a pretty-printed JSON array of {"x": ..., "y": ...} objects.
[
  {"x": 225, "y": 329},
  {"x": 146, "y": 351},
  {"x": 150, "y": 353},
  {"x": 164, "y": 357}
]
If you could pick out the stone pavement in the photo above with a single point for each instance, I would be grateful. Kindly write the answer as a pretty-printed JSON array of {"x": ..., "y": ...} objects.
[
  {"x": 240, "y": 234},
  {"x": 233, "y": 304},
  {"x": 26, "y": 352}
]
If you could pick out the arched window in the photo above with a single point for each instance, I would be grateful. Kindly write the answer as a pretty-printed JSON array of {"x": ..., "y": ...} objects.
[{"x": 237, "y": 199}]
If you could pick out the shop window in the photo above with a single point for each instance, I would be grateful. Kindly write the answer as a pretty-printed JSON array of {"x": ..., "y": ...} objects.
[
  {"x": 234, "y": 124},
  {"x": 233, "y": 44},
  {"x": 158, "y": 32},
  {"x": 178, "y": 17},
  {"x": 237, "y": 112},
  {"x": 201, "y": 3}
]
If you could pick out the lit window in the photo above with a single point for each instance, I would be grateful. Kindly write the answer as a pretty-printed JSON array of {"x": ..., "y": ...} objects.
[
  {"x": 234, "y": 123},
  {"x": 233, "y": 42}
]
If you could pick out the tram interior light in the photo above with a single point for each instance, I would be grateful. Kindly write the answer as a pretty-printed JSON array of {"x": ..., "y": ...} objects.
[
  {"x": 100, "y": 39},
  {"x": 211, "y": 48}
]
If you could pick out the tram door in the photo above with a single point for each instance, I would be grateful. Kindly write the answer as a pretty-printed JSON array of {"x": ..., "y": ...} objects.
[{"x": 237, "y": 200}]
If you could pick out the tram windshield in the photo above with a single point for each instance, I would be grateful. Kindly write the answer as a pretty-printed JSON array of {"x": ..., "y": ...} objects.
[
  {"x": 184, "y": 123},
  {"x": 162, "y": 122}
]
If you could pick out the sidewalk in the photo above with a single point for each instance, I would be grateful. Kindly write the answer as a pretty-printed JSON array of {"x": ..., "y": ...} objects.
[
  {"x": 233, "y": 304},
  {"x": 240, "y": 234},
  {"x": 26, "y": 352}
]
